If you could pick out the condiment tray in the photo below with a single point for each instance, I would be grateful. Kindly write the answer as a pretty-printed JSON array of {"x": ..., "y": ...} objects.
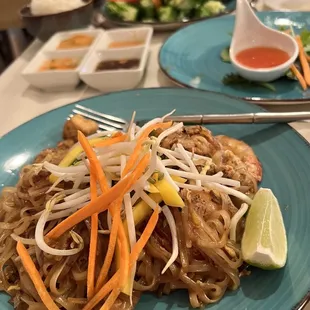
[
  {"x": 118, "y": 74},
  {"x": 114, "y": 60}
]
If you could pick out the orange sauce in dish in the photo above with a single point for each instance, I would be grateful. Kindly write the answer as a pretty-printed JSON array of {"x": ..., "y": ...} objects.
[
  {"x": 122, "y": 44},
  {"x": 76, "y": 41},
  {"x": 262, "y": 57},
  {"x": 59, "y": 64}
]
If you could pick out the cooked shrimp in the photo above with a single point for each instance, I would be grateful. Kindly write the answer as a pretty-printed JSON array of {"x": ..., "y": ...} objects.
[{"x": 245, "y": 153}]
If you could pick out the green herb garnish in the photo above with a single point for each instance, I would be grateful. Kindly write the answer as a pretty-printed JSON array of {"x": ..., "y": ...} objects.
[
  {"x": 151, "y": 180},
  {"x": 236, "y": 79},
  {"x": 282, "y": 28},
  {"x": 225, "y": 55},
  {"x": 305, "y": 39},
  {"x": 76, "y": 162}
]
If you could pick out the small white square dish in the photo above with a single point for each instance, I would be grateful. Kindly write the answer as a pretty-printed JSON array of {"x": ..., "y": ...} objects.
[
  {"x": 125, "y": 38},
  {"x": 55, "y": 71},
  {"x": 83, "y": 39},
  {"x": 114, "y": 69}
]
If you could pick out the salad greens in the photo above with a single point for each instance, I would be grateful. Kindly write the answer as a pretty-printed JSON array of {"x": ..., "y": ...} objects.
[
  {"x": 211, "y": 8},
  {"x": 305, "y": 39},
  {"x": 163, "y": 10},
  {"x": 123, "y": 10},
  {"x": 236, "y": 79},
  {"x": 225, "y": 54}
]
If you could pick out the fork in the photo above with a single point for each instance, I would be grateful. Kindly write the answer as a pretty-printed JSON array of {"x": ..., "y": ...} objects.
[
  {"x": 105, "y": 121},
  {"x": 110, "y": 122}
]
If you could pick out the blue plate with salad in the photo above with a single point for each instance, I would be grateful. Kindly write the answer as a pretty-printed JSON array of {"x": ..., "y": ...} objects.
[
  {"x": 164, "y": 14},
  {"x": 198, "y": 57}
]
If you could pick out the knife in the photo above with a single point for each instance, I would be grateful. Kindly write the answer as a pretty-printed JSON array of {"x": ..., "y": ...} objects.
[{"x": 244, "y": 118}]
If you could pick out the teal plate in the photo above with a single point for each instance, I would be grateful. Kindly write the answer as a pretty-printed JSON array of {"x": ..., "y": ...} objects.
[
  {"x": 286, "y": 163},
  {"x": 164, "y": 26},
  {"x": 191, "y": 57}
]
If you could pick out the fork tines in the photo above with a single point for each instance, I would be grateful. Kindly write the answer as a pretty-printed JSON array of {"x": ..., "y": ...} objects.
[{"x": 105, "y": 121}]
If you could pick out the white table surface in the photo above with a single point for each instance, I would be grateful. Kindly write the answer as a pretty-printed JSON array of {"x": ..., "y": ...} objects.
[{"x": 20, "y": 102}]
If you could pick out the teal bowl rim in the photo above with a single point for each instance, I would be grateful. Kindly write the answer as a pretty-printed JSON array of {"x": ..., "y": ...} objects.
[
  {"x": 306, "y": 299},
  {"x": 257, "y": 100}
]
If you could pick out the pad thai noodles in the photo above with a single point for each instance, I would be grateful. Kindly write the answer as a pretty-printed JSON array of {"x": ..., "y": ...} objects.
[{"x": 98, "y": 220}]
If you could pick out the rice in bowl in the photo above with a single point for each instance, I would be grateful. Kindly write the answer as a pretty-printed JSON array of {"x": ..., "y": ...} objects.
[{"x": 48, "y": 7}]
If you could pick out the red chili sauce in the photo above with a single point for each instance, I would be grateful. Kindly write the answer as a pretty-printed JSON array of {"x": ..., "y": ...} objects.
[{"x": 262, "y": 57}]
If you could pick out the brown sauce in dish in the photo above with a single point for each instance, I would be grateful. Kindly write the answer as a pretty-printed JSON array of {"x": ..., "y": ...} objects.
[
  {"x": 108, "y": 65},
  {"x": 77, "y": 41},
  {"x": 122, "y": 44}
]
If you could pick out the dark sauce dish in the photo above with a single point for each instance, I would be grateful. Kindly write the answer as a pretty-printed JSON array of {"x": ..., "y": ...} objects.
[{"x": 120, "y": 64}]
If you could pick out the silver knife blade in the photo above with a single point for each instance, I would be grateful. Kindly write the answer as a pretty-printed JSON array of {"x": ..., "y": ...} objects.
[{"x": 244, "y": 118}]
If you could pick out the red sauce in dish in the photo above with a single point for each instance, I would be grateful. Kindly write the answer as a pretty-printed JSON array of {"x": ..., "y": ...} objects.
[{"x": 262, "y": 57}]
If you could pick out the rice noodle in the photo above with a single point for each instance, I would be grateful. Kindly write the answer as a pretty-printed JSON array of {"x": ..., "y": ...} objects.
[
  {"x": 173, "y": 230},
  {"x": 23, "y": 240},
  {"x": 235, "y": 220},
  {"x": 131, "y": 127},
  {"x": 204, "y": 178},
  {"x": 195, "y": 248},
  {"x": 189, "y": 162},
  {"x": 163, "y": 169},
  {"x": 39, "y": 237},
  {"x": 150, "y": 202}
]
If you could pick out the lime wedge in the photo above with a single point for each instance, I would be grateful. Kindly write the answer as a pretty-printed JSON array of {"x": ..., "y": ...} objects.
[{"x": 264, "y": 243}]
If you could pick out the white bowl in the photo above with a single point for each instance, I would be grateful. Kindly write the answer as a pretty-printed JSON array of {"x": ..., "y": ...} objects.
[
  {"x": 55, "y": 40},
  {"x": 113, "y": 80},
  {"x": 143, "y": 34},
  {"x": 57, "y": 80},
  {"x": 250, "y": 32},
  {"x": 287, "y": 5},
  {"x": 265, "y": 74}
]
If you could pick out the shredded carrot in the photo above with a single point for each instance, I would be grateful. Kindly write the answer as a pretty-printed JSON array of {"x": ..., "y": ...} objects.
[
  {"x": 102, "y": 202},
  {"x": 145, "y": 236},
  {"x": 104, "y": 291},
  {"x": 115, "y": 139},
  {"x": 93, "y": 160},
  {"x": 123, "y": 270},
  {"x": 124, "y": 267},
  {"x": 111, "y": 247},
  {"x": 303, "y": 61},
  {"x": 35, "y": 277},
  {"x": 93, "y": 239},
  {"x": 134, "y": 255},
  {"x": 111, "y": 299},
  {"x": 114, "y": 208},
  {"x": 299, "y": 76},
  {"x": 137, "y": 151}
]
